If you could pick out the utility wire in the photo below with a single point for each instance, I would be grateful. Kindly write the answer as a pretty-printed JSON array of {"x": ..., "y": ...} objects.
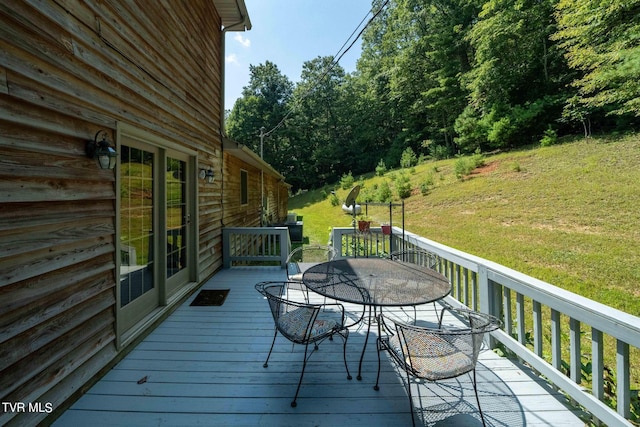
[{"x": 337, "y": 57}]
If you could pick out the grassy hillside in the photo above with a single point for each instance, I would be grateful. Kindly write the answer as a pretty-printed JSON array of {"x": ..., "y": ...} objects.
[{"x": 566, "y": 214}]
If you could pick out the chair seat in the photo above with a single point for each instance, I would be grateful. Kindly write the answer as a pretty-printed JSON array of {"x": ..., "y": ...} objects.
[
  {"x": 294, "y": 324},
  {"x": 439, "y": 358}
]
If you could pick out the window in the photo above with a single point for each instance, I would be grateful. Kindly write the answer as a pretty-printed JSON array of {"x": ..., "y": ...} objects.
[{"x": 244, "y": 187}]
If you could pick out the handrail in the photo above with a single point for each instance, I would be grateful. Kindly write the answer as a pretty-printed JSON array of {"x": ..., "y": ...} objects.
[
  {"x": 486, "y": 286},
  {"x": 255, "y": 245}
]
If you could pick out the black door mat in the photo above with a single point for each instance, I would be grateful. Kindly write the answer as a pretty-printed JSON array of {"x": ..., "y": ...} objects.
[{"x": 210, "y": 297}]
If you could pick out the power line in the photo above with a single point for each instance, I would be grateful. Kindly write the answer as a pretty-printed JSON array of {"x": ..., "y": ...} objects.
[{"x": 335, "y": 62}]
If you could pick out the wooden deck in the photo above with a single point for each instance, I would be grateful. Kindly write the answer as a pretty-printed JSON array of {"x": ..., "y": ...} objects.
[{"x": 203, "y": 366}]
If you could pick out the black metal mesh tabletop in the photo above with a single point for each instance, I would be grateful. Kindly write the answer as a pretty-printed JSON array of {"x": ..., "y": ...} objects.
[{"x": 376, "y": 282}]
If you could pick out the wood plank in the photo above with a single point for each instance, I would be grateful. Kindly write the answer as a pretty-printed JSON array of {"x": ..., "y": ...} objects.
[{"x": 204, "y": 364}]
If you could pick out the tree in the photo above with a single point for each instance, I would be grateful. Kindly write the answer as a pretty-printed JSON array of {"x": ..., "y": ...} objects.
[
  {"x": 264, "y": 103},
  {"x": 602, "y": 41},
  {"x": 518, "y": 77},
  {"x": 316, "y": 101}
]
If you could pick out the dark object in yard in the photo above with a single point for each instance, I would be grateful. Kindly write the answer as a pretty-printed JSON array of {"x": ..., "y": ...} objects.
[{"x": 210, "y": 297}]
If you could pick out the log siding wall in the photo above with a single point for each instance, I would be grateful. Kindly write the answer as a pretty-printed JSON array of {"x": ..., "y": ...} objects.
[{"x": 69, "y": 68}]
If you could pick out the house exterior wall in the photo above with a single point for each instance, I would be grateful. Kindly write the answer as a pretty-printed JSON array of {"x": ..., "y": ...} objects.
[
  {"x": 69, "y": 69},
  {"x": 273, "y": 187}
]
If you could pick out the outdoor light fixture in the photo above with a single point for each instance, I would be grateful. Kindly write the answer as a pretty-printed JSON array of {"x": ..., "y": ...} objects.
[
  {"x": 207, "y": 175},
  {"x": 102, "y": 151}
]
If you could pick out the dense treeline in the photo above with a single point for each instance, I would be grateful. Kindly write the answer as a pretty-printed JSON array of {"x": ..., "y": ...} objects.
[{"x": 448, "y": 77}]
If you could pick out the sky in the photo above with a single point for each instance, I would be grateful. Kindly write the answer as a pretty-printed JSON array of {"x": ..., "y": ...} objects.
[{"x": 289, "y": 33}]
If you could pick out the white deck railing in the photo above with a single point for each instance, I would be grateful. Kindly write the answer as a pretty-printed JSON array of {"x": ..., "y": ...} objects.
[
  {"x": 513, "y": 296},
  {"x": 255, "y": 246}
]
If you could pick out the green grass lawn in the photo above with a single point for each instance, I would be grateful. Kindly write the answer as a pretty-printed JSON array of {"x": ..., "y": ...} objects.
[{"x": 567, "y": 214}]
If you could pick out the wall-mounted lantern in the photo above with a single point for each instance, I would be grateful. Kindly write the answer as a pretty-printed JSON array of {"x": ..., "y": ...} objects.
[
  {"x": 207, "y": 175},
  {"x": 106, "y": 156}
]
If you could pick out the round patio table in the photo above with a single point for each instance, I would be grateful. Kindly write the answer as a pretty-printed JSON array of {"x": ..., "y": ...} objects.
[{"x": 376, "y": 282}]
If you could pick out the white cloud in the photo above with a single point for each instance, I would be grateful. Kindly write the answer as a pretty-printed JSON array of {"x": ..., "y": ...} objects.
[
  {"x": 244, "y": 42},
  {"x": 231, "y": 59}
]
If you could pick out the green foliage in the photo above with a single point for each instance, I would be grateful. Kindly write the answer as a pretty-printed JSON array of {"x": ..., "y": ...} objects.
[
  {"x": 600, "y": 39},
  {"x": 347, "y": 180},
  {"x": 408, "y": 158},
  {"x": 427, "y": 183},
  {"x": 333, "y": 198},
  {"x": 381, "y": 168},
  {"x": 384, "y": 194},
  {"x": 447, "y": 78},
  {"x": 403, "y": 186},
  {"x": 550, "y": 138},
  {"x": 465, "y": 165},
  {"x": 439, "y": 152}
]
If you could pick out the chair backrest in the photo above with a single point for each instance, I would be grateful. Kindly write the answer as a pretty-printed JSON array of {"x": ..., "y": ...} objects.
[
  {"x": 312, "y": 254},
  {"x": 448, "y": 351},
  {"x": 294, "y": 320},
  {"x": 416, "y": 256},
  {"x": 305, "y": 256}
]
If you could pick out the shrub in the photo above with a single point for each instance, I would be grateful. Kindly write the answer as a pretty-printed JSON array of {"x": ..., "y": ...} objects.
[
  {"x": 381, "y": 168},
  {"x": 463, "y": 167},
  {"x": 334, "y": 199},
  {"x": 426, "y": 184},
  {"x": 384, "y": 194},
  {"x": 408, "y": 158},
  {"x": 439, "y": 152},
  {"x": 550, "y": 138},
  {"x": 403, "y": 186},
  {"x": 478, "y": 159},
  {"x": 346, "y": 182}
]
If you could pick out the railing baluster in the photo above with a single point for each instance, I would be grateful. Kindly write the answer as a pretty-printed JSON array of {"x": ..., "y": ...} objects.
[
  {"x": 537, "y": 328},
  {"x": 474, "y": 290},
  {"x": 522, "y": 334},
  {"x": 508, "y": 316},
  {"x": 597, "y": 363},
  {"x": 456, "y": 269},
  {"x": 556, "y": 340},
  {"x": 465, "y": 286},
  {"x": 623, "y": 385},
  {"x": 574, "y": 343}
]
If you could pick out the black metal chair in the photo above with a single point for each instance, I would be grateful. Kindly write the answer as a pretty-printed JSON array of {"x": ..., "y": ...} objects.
[
  {"x": 303, "y": 323},
  {"x": 303, "y": 257},
  {"x": 438, "y": 354}
]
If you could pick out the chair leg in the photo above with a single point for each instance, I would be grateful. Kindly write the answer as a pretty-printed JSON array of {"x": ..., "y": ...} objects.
[
  {"x": 266, "y": 362},
  {"x": 413, "y": 421},
  {"x": 344, "y": 352},
  {"x": 475, "y": 388},
  {"x": 304, "y": 365},
  {"x": 378, "y": 349}
]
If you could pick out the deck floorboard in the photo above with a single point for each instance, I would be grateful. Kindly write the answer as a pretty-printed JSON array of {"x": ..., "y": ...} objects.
[{"x": 203, "y": 367}]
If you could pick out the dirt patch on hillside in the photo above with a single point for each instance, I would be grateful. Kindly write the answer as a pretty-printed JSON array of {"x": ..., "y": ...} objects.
[{"x": 486, "y": 169}]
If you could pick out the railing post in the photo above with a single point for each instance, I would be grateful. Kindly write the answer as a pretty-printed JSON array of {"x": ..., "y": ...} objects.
[
  {"x": 285, "y": 247},
  {"x": 226, "y": 249},
  {"x": 490, "y": 298},
  {"x": 336, "y": 241}
]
